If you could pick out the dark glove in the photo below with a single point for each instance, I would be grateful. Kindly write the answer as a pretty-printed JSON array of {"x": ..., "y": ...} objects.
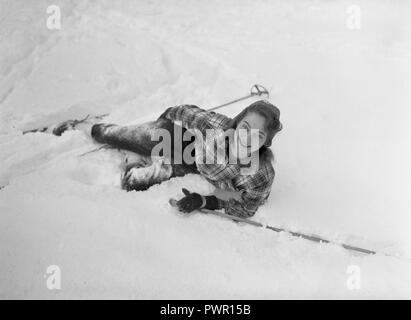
[
  {"x": 191, "y": 201},
  {"x": 194, "y": 201}
]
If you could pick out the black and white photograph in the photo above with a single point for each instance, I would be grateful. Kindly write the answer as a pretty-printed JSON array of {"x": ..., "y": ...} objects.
[{"x": 188, "y": 150}]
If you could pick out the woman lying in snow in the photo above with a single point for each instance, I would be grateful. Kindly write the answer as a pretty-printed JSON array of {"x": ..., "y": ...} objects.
[{"x": 246, "y": 192}]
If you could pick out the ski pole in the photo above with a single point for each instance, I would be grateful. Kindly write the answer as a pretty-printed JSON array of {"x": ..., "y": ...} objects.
[
  {"x": 313, "y": 238},
  {"x": 235, "y": 218},
  {"x": 256, "y": 90}
]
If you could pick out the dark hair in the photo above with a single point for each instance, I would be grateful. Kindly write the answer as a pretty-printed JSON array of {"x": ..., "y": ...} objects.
[{"x": 272, "y": 124}]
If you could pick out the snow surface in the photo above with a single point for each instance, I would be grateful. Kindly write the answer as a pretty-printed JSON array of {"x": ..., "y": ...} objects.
[{"x": 342, "y": 160}]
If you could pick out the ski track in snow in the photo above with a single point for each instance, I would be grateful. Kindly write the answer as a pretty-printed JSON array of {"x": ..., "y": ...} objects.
[{"x": 332, "y": 178}]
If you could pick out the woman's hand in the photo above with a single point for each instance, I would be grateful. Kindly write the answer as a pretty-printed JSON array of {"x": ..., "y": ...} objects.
[{"x": 191, "y": 202}]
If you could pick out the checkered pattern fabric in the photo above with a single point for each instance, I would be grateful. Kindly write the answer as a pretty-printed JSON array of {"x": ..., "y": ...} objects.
[{"x": 254, "y": 188}]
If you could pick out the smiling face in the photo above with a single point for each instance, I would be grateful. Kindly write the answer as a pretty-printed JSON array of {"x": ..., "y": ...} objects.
[{"x": 251, "y": 129}]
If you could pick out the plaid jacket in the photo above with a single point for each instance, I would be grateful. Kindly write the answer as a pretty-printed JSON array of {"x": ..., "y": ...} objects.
[{"x": 254, "y": 188}]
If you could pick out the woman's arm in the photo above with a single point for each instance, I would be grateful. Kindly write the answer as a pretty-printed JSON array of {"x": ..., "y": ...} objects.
[
  {"x": 242, "y": 204},
  {"x": 253, "y": 191},
  {"x": 245, "y": 207}
]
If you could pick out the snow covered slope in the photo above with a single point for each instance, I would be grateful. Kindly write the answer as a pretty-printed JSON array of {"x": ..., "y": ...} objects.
[{"x": 342, "y": 160}]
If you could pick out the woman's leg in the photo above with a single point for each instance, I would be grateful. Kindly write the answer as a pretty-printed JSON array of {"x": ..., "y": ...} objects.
[
  {"x": 149, "y": 170},
  {"x": 136, "y": 138}
]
